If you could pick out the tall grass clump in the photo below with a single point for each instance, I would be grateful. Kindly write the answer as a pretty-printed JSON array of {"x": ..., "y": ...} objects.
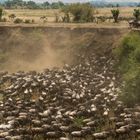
[
  {"x": 78, "y": 121},
  {"x": 128, "y": 55}
]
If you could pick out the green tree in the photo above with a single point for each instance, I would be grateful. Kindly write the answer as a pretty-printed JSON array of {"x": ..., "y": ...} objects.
[
  {"x": 32, "y": 5},
  {"x": 46, "y": 5},
  {"x": 57, "y": 5},
  {"x": 8, "y": 4},
  {"x": 80, "y": 12},
  {"x": 14, "y": 3},
  {"x": 115, "y": 14},
  {"x": 117, "y": 5},
  {"x": 136, "y": 14}
]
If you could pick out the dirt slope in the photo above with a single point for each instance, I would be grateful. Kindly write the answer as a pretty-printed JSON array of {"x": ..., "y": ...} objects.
[{"x": 36, "y": 48}]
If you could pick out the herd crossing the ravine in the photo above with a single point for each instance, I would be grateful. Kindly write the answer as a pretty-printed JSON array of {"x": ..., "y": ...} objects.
[{"x": 79, "y": 101}]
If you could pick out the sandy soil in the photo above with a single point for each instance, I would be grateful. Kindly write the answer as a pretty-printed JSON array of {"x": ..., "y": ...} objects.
[{"x": 70, "y": 25}]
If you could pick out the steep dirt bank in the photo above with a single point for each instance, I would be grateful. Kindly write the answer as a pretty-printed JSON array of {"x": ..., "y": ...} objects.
[{"x": 37, "y": 48}]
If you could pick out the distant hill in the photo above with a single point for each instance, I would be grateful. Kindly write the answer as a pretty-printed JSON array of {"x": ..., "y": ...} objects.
[{"x": 102, "y": 3}]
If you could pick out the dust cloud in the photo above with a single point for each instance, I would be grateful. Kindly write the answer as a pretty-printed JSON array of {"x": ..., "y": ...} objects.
[
  {"x": 34, "y": 50},
  {"x": 28, "y": 49}
]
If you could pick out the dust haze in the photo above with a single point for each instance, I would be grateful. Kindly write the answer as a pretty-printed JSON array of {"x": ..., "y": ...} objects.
[{"x": 35, "y": 50}]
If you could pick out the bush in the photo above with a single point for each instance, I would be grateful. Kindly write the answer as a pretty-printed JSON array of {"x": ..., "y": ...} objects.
[
  {"x": 102, "y": 18},
  {"x": 56, "y": 18},
  {"x": 80, "y": 12},
  {"x": 131, "y": 90},
  {"x": 44, "y": 19},
  {"x": 12, "y": 16},
  {"x": 1, "y": 13},
  {"x": 115, "y": 14},
  {"x": 78, "y": 121},
  {"x": 128, "y": 55},
  {"x": 33, "y": 21},
  {"x": 27, "y": 21},
  {"x": 18, "y": 20},
  {"x": 136, "y": 14},
  {"x": 4, "y": 20},
  {"x": 66, "y": 18}
]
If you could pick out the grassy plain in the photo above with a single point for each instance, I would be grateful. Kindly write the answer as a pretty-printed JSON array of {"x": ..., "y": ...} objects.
[
  {"x": 51, "y": 14},
  {"x": 124, "y": 11}
]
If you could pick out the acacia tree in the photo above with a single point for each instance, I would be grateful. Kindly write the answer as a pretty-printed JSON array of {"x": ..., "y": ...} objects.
[
  {"x": 136, "y": 14},
  {"x": 115, "y": 14}
]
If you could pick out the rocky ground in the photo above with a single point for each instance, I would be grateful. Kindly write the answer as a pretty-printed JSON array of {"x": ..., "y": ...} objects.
[{"x": 77, "y": 101}]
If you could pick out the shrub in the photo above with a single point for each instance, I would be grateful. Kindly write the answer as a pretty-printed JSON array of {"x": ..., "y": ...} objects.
[
  {"x": 18, "y": 20},
  {"x": 78, "y": 121},
  {"x": 44, "y": 19},
  {"x": 4, "y": 20},
  {"x": 33, "y": 21},
  {"x": 12, "y": 16},
  {"x": 56, "y": 18},
  {"x": 66, "y": 18},
  {"x": 1, "y": 13},
  {"x": 102, "y": 18},
  {"x": 128, "y": 55},
  {"x": 136, "y": 14},
  {"x": 131, "y": 90},
  {"x": 115, "y": 14},
  {"x": 27, "y": 21},
  {"x": 80, "y": 12}
]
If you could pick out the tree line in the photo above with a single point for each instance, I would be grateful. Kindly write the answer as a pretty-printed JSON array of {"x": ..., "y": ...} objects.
[{"x": 20, "y": 4}]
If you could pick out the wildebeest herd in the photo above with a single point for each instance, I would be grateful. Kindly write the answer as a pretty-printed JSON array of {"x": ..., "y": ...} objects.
[{"x": 76, "y": 102}]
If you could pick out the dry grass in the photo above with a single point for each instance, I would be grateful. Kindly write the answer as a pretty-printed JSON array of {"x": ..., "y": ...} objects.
[
  {"x": 125, "y": 11},
  {"x": 50, "y": 14},
  {"x": 33, "y": 14},
  {"x": 26, "y": 13}
]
